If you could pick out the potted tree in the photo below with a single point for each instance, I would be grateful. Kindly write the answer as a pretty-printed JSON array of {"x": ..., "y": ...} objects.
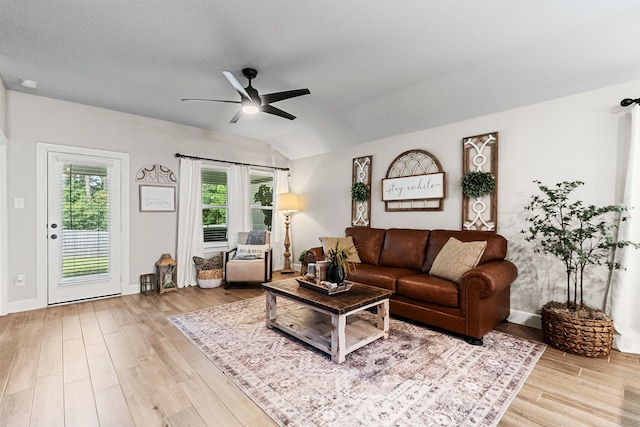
[{"x": 579, "y": 236}]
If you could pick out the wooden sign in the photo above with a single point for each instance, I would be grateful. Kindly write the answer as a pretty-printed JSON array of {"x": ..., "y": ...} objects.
[{"x": 414, "y": 187}]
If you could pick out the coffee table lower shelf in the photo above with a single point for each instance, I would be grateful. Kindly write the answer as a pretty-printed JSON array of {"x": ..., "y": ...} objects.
[{"x": 314, "y": 328}]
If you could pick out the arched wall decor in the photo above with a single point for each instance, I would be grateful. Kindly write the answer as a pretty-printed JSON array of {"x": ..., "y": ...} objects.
[
  {"x": 480, "y": 153},
  {"x": 157, "y": 174},
  {"x": 429, "y": 178},
  {"x": 361, "y": 211}
]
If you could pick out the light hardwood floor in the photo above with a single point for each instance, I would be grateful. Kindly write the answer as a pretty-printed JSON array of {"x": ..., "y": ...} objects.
[{"x": 118, "y": 362}]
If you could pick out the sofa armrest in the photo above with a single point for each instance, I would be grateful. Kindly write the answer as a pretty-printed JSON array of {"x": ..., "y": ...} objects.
[
  {"x": 314, "y": 254},
  {"x": 490, "y": 278}
]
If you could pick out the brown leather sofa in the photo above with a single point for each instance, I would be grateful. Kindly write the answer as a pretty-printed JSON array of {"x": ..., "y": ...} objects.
[{"x": 400, "y": 260}]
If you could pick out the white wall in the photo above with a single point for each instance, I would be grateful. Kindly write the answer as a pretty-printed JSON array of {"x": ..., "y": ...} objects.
[
  {"x": 32, "y": 119},
  {"x": 3, "y": 202},
  {"x": 581, "y": 137}
]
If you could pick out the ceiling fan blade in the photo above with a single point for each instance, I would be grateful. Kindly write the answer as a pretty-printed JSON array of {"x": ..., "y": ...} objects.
[
  {"x": 235, "y": 118},
  {"x": 236, "y": 84},
  {"x": 277, "y": 112},
  {"x": 279, "y": 96},
  {"x": 210, "y": 100}
]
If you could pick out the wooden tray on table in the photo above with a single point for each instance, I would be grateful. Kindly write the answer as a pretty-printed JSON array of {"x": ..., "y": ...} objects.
[{"x": 346, "y": 285}]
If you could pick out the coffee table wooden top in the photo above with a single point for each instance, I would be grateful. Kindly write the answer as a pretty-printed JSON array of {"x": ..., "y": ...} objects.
[{"x": 358, "y": 296}]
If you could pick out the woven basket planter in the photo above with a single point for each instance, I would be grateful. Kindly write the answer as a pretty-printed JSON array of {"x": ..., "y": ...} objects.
[
  {"x": 584, "y": 337},
  {"x": 210, "y": 278}
]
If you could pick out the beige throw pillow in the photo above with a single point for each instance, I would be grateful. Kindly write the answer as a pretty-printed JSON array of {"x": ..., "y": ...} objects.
[
  {"x": 342, "y": 242},
  {"x": 456, "y": 258},
  {"x": 251, "y": 251}
]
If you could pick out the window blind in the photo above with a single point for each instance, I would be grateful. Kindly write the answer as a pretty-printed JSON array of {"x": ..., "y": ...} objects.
[
  {"x": 84, "y": 192},
  {"x": 214, "y": 204},
  {"x": 261, "y": 200}
]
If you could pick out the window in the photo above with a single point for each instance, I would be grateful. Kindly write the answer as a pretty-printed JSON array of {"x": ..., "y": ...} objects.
[
  {"x": 261, "y": 199},
  {"x": 85, "y": 220},
  {"x": 215, "y": 208}
]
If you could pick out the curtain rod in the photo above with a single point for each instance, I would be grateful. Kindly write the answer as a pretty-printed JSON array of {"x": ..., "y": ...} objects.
[
  {"x": 228, "y": 162},
  {"x": 628, "y": 101}
]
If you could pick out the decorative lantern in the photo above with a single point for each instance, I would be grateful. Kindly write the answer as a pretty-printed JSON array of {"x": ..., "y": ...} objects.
[
  {"x": 167, "y": 274},
  {"x": 148, "y": 283}
]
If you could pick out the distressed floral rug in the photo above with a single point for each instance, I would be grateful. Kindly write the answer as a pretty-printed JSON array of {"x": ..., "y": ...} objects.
[{"x": 417, "y": 377}]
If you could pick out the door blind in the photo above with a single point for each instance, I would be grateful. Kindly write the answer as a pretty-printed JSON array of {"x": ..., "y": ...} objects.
[{"x": 85, "y": 191}]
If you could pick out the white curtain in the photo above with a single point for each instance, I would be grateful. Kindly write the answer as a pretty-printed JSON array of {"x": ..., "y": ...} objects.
[
  {"x": 624, "y": 298},
  {"x": 239, "y": 194},
  {"x": 190, "y": 238},
  {"x": 281, "y": 185}
]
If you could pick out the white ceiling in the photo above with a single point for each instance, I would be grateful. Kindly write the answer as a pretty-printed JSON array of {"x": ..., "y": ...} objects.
[{"x": 375, "y": 68}]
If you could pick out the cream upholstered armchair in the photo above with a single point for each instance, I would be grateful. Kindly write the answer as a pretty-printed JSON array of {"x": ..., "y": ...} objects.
[{"x": 251, "y": 260}]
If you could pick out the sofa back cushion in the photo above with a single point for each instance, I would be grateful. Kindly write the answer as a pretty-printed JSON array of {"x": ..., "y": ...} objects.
[
  {"x": 496, "y": 245},
  {"x": 404, "y": 248},
  {"x": 368, "y": 242}
]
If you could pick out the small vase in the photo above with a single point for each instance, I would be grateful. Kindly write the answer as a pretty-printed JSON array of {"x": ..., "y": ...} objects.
[{"x": 335, "y": 274}]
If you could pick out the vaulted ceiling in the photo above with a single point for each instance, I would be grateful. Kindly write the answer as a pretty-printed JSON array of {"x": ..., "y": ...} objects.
[{"x": 374, "y": 68}]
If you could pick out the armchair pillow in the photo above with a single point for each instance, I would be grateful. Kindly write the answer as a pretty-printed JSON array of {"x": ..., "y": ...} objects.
[
  {"x": 251, "y": 251},
  {"x": 456, "y": 258}
]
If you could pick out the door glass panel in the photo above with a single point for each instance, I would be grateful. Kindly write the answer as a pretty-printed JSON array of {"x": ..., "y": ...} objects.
[{"x": 85, "y": 217}]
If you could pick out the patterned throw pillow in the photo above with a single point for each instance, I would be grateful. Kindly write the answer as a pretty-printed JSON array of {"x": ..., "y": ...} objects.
[
  {"x": 216, "y": 261},
  {"x": 456, "y": 258},
  {"x": 251, "y": 251}
]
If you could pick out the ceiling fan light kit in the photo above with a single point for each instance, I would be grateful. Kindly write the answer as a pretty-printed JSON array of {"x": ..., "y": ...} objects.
[{"x": 251, "y": 101}]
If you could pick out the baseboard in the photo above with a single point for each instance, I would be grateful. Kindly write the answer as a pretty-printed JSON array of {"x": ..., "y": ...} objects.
[
  {"x": 24, "y": 305},
  {"x": 131, "y": 289},
  {"x": 34, "y": 304},
  {"x": 525, "y": 318}
]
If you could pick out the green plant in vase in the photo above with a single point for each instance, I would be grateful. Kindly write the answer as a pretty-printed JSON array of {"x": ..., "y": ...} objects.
[{"x": 339, "y": 264}]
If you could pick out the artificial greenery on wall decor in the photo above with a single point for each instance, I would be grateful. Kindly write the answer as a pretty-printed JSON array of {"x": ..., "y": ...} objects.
[
  {"x": 359, "y": 192},
  {"x": 477, "y": 184}
]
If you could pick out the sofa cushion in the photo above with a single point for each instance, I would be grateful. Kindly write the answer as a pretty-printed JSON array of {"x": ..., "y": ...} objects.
[
  {"x": 456, "y": 258},
  {"x": 424, "y": 287},
  {"x": 404, "y": 248},
  {"x": 368, "y": 242},
  {"x": 381, "y": 277},
  {"x": 496, "y": 245},
  {"x": 342, "y": 242}
]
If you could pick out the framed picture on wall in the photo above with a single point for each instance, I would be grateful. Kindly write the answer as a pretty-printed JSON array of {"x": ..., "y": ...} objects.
[{"x": 157, "y": 198}]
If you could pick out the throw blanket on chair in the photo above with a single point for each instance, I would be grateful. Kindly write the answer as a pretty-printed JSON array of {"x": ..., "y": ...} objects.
[{"x": 256, "y": 237}]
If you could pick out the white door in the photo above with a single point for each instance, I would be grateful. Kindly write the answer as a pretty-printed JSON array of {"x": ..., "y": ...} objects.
[{"x": 84, "y": 227}]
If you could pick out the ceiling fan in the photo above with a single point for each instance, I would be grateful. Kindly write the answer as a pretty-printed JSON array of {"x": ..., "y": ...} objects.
[{"x": 251, "y": 101}]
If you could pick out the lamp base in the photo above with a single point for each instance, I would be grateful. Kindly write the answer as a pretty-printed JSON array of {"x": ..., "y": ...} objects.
[{"x": 287, "y": 271}]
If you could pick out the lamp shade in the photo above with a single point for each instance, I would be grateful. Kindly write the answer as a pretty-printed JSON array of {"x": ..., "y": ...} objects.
[{"x": 287, "y": 202}]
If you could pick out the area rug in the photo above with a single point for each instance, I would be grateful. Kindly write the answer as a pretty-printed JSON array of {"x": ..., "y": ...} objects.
[{"x": 417, "y": 377}]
